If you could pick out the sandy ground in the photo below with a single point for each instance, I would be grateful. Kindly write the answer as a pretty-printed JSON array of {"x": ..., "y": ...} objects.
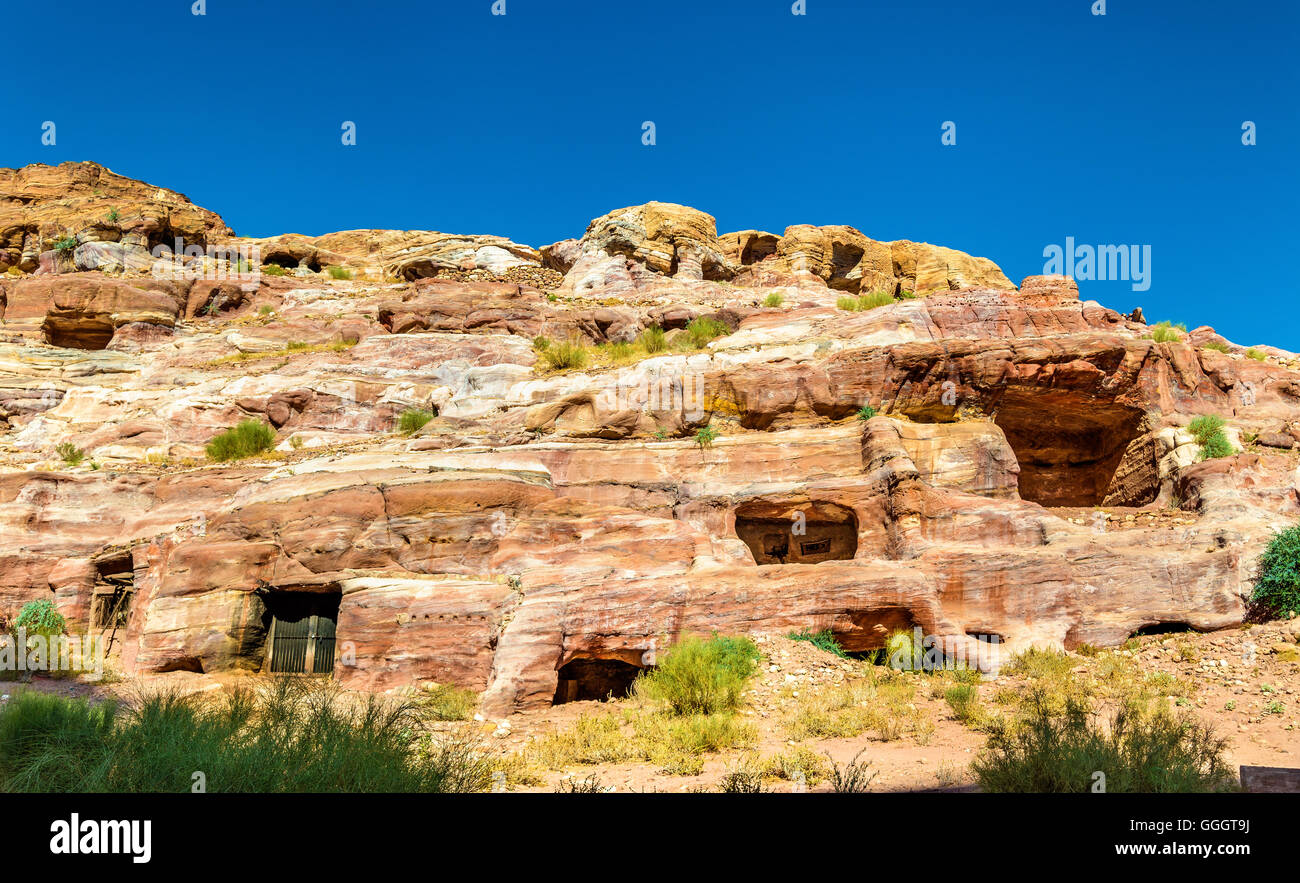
[{"x": 1245, "y": 682}]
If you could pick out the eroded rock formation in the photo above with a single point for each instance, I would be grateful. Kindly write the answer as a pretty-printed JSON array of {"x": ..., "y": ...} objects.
[{"x": 1027, "y": 472}]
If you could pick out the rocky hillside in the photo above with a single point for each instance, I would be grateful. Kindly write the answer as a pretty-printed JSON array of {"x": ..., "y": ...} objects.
[{"x": 609, "y": 441}]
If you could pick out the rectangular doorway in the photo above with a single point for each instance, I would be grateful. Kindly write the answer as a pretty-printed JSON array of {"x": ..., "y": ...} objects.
[{"x": 303, "y": 632}]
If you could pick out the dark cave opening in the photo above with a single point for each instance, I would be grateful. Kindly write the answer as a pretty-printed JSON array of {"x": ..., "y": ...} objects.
[
  {"x": 585, "y": 680},
  {"x": 797, "y": 533},
  {"x": 1069, "y": 446}
]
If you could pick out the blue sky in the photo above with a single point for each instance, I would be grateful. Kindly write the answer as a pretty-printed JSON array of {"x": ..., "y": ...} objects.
[{"x": 1115, "y": 129}]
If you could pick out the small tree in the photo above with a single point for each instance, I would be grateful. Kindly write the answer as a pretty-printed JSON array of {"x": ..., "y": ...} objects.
[{"x": 1277, "y": 582}]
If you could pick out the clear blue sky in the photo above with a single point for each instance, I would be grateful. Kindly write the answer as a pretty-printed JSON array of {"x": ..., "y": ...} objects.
[{"x": 1122, "y": 129}]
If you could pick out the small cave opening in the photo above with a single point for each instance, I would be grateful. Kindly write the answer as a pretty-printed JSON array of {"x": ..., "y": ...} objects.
[
  {"x": 77, "y": 332},
  {"x": 1162, "y": 628},
  {"x": 784, "y": 532},
  {"x": 587, "y": 680},
  {"x": 1068, "y": 445},
  {"x": 867, "y": 631},
  {"x": 301, "y": 631},
  {"x": 844, "y": 258},
  {"x": 289, "y": 262},
  {"x": 758, "y": 248},
  {"x": 114, "y": 589}
]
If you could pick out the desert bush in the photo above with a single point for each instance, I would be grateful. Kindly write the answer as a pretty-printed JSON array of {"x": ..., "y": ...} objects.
[
  {"x": 445, "y": 702},
  {"x": 746, "y": 777},
  {"x": 1166, "y": 331},
  {"x": 847, "y": 303},
  {"x": 338, "y": 272},
  {"x": 875, "y": 299},
  {"x": 1059, "y": 752},
  {"x": 40, "y": 618},
  {"x": 112, "y": 216},
  {"x": 705, "y": 436},
  {"x": 866, "y": 412},
  {"x": 290, "y": 736},
  {"x": 700, "y": 676},
  {"x": 246, "y": 439},
  {"x": 412, "y": 420},
  {"x": 823, "y": 640},
  {"x": 794, "y": 762},
  {"x": 274, "y": 270},
  {"x": 853, "y": 777},
  {"x": 1216, "y": 346},
  {"x": 653, "y": 340},
  {"x": 70, "y": 453},
  {"x": 1277, "y": 578},
  {"x": 589, "y": 785},
  {"x": 703, "y": 329},
  {"x": 1207, "y": 429},
  {"x": 964, "y": 700},
  {"x": 65, "y": 244},
  {"x": 775, "y": 299},
  {"x": 1257, "y": 355},
  {"x": 564, "y": 356}
]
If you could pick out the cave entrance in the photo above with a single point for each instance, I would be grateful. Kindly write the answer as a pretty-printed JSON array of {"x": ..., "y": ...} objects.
[
  {"x": 1068, "y": 444},
  {"x": 302, "y": 633},
  {"x": 1163, "y": 628},
  {"x": 866, "y": 631},
  {"x": 289, "y": 262},
  {"x": 110, "y": 601},
  {"x": 584, "y": 680},
  {"x": 797, "y": 532}
]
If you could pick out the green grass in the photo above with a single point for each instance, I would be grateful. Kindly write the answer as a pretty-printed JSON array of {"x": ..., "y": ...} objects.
[
  {"x": 866, "y": 412},
  {"x": 65, "y": 244},
  {"x": 564, "y": 356},
  {"x": 703, "y": 329},
  {"x": 1257, "y": 355},
  {"x": 1207, "y": 429},
  {"x": 247, "y": 439},
  {"x": 70, "y": 453},
  {"x": 700, "y": 676},
  {"x": 412, "y": 420},
  {"x": 338, "y": 272},
  {"x": 1277, "y": 577},
  {"x": 1061, "y": 751},
  {"x": 274, "y": 270},
  {"x": 823, "y": 640},
  {"x": 653, "y": 339},
  {"x": 964, "y": 700},
  {"x": 292, "y": 735},
  {"x": 775, "y": 299},
  {"x": 862, "y": 303},
  {"x": 445, "y": 702},
  {"x": 847, "y": 303},
  {"x": 1167, "y": 332},
  {"x": 1216, "y": 346}
]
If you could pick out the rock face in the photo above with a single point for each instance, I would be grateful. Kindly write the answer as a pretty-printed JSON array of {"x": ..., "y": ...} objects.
[{"x": 979, "y": 461}]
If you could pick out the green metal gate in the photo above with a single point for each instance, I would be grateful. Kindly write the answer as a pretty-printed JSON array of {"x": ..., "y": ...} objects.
[{"x": 303, "y": 632}]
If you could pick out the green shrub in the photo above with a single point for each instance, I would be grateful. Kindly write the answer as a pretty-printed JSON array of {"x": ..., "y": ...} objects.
[
  {"x": 247, "y": 439},
  {"x": 112, "y": 216},
  {"x": 412, "y": 420},
  {"x": 65, "y": 244},
  {"x": 274, "y": 270},
  {"x": 265, "y": 310},
  {"x": 823, "y": 640},
  {"x": 293, "y": 735},
  {"x": 541, "y": 343},
  {"x": 964, "y": 700},
  {"x": 875, "y": 299},
  {"x": 847, "y": 303},
  {"x": 40, "y": 618},
  {"x": 338, "y": 272},
  {"x": 1166, "y": 331},
  {"x": 1277, "y": 579},
  {"x": 1216, "y": 346},
  {"x": 745, "y": 778},
  {"x": 70, "y": 453},
  {"x": 1207, "y": 429},
  {"x": 775, "y": 299},
  {"x": 704, "y": 329},
  {"x": 1060, "y": 752},
  {"x": 699, "y": 676},
  {"x": 619, "y": 349},
  {"x": 564, "y": 356},
  {"x": 653, "y": 339},
  {"x": 866, "y": 412},
  {"x": 1257, "y": 355},
  {"x": 705, "y": 436},
  {"x": 853, "y": 777},
  {"x": 446, "y": 702}
]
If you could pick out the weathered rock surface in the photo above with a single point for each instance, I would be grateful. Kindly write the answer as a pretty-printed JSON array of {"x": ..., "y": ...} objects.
[{"x": 1027, "y": 474}]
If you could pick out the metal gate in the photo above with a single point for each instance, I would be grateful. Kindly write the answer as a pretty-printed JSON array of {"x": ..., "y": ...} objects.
[{"x": 303, "y": 635}]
